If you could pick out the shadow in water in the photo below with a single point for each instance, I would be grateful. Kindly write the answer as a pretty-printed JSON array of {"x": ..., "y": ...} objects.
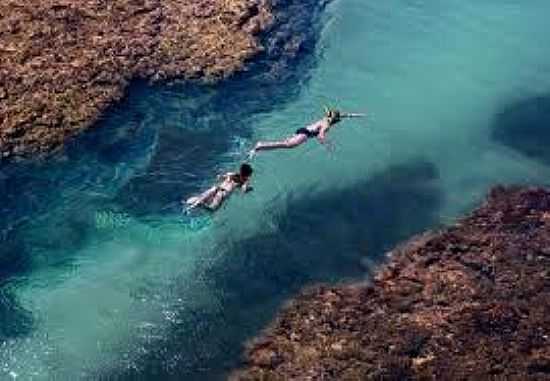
[
  {"x": 16, "y": 321},
  {"x": 525, "y": 127},
  {"x": 48, "y": 207},
  {"x": 318, "y": 238}
]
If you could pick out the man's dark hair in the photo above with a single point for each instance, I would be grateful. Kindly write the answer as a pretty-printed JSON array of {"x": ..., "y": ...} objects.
[{"x": 246, "y": 170}]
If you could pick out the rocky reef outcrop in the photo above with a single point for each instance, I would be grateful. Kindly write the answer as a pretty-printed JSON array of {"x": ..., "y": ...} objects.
[
  {"x": 469, "y": 302},
  {"x": 63, "y": 62}
]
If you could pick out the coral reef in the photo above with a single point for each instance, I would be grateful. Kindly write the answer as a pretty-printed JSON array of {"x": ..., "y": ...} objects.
[
  {"x": 470, "y": 302},
  {"x": 63, "y": 62}
]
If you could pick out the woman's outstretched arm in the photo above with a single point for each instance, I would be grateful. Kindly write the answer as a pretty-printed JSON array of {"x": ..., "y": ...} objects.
[{"x": 353, "y": 115}]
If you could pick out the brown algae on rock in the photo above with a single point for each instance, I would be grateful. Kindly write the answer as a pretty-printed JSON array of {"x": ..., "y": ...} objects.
[
  {"x": 62, "y": 63},
  {"x": 470, "y": 302}
]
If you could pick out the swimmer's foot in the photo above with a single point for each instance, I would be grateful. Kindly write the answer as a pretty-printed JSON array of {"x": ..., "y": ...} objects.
[
  {"x": 191, "y": 200},
  {"x": 191, "y": 203}
]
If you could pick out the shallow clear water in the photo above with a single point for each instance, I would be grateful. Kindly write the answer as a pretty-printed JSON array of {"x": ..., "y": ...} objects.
[{"x": 102, "y": 276}]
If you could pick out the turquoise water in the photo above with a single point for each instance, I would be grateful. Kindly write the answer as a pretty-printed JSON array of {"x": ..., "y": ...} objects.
[{"x": 103, "y": 277}]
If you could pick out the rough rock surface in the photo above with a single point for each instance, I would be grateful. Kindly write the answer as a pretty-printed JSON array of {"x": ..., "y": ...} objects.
[
  {"x": 471, "y": 302},
  {"x": 63, "y": 62}
]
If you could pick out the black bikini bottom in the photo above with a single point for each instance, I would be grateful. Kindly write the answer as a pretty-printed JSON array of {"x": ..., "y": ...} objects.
[{"x": 306, "y": 132}]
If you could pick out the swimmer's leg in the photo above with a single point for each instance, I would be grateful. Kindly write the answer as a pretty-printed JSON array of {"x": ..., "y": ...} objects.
[
  {"x": 195, "y": 201},
  {"x": 192, "y": 200},
  {"x": 217, "y": 200},
  {"x": 291, "y": 142}
]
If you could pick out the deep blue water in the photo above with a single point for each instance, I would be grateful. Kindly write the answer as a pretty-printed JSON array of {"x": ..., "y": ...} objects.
[{"x": 101, "y": 275}]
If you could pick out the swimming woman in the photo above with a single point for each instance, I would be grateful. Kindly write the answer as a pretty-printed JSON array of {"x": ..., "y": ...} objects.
[
  {"x": 213, "y": 197},
  {"x": 317, "y": 130}
]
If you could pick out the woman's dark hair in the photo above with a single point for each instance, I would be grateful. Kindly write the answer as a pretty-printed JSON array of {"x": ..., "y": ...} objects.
[
  {"x": 246, "y": 170},
  {"x": 334, "y": 115}
]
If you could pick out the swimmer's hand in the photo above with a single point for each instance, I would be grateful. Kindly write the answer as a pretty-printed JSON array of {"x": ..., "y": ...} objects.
[
  {"x": 251, "y": 154},
  {"x": 327, "y": 143}
]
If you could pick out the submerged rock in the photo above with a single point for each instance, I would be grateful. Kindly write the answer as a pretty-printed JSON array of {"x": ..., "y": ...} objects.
[
  {"x": 62, "y": 63},
  {"x": 525, "y": 127},
  {"x": 470, "y": 302}
]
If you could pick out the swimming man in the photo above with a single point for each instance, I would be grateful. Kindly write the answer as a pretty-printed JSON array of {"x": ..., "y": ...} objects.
[{"x": 213, "y": 197}]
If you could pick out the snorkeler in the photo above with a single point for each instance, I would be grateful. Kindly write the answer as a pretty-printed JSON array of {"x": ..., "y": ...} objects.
[
  {"x": 317, "y": 130},
  {"x": 212, "y": 198}
]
